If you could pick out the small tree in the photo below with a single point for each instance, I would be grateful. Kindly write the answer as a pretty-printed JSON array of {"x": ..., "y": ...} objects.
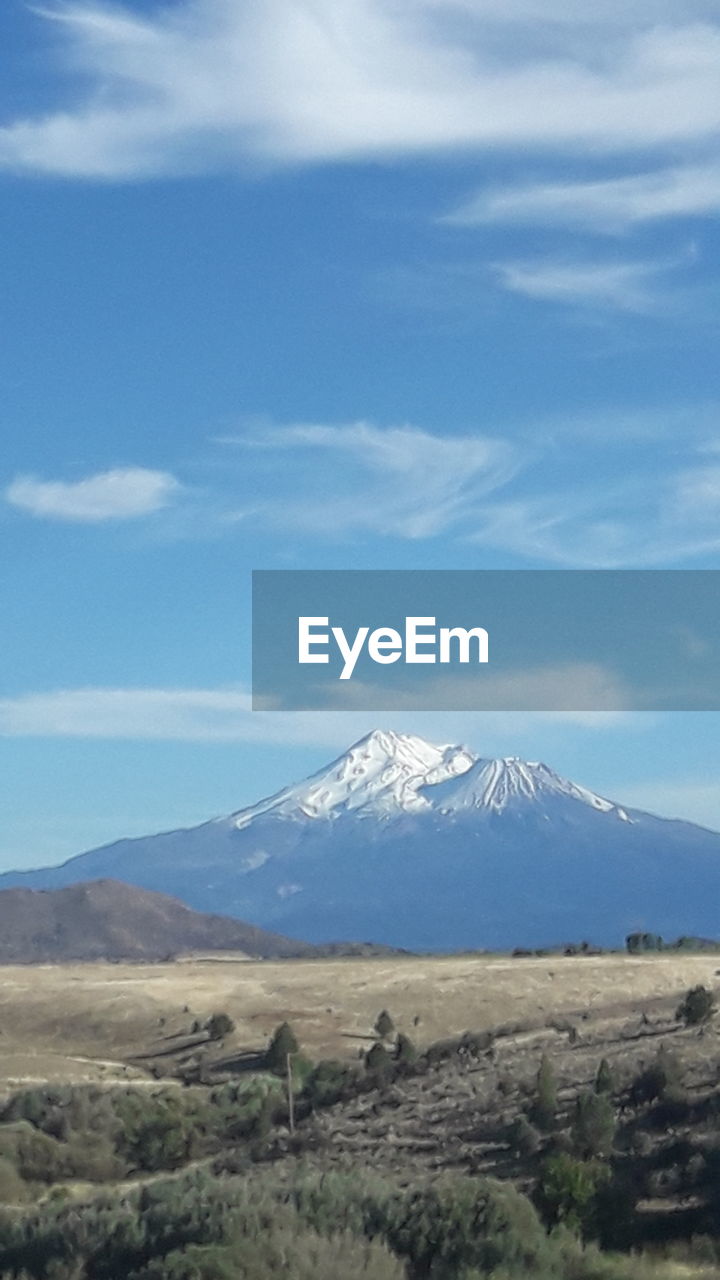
[
  {"x": 524, "y": 1137},
  {"x": 663, "y": 1074},
  {"x": 604, "y": 1080},
  {"x": 637, "y": 943},
  {"x": 593, "y": 1127},
  {"x": 697, "y": 1007},
  {"x": 219, "y": 1026},
  {"x": 378, "y": 1061},
  {"x": 567, "y": 1192},
  {"x": 384, "y": 1025},
  {"x": 542, "y": 1112},
  {"x": 405, "y": 1050},
  {"x": 282, "y": 1043}
]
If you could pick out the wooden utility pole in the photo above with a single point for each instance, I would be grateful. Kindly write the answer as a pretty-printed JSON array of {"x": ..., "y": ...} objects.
[{"x": 291, "y": 1099}]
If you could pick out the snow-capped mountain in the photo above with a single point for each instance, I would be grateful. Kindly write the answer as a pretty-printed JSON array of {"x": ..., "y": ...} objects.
[
  {"x": 380, "y": 776},
  {"x": 429, "y": 847}
]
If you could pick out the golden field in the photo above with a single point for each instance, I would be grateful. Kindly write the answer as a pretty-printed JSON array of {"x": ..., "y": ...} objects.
[{"x": 83, "y": 1022}]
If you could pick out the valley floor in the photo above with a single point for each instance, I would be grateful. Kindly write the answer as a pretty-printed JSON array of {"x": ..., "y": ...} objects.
[{"x": 95, "y": 1022}]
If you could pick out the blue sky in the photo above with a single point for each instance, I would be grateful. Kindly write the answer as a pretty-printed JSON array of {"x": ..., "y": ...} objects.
[{"x": 348, "y": 283}]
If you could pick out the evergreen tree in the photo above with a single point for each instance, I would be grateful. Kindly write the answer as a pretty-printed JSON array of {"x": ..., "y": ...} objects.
[
  {"x": 593, "y": 1127},
  {"x": 405, "y": 1050},
  {"x": 604, "y": 1081},
  {"x": 384, "y": 1025},
  {"x": 545, "y": 1105},
  {"x": 283, "y": 1042},
  {"x": 378, "y": 1061}
]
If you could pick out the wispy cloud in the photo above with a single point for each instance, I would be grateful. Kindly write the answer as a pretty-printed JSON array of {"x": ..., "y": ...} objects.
[
  {"x": 211, "y": 84},
  {"x": 124, "y": 493},
  {"x": 615, "y": 285},
  {"x": 394, "y": 481},
  {"x": 621, "y": 524},
  {"x": 565, "y": 492},
  {"x": 609, "y": 205},
  {"x": 224, "y": 715}
]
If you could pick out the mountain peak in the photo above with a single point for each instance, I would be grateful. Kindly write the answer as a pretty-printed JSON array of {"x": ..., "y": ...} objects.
[
  {"x": 381, "y": 775},
  {"x": 495, "y": 784}
]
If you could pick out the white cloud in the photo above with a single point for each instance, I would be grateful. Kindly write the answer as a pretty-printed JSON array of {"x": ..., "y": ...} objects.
[
  {"x": 395, "y": 481},
  {"x": 211, "y": 84},
  {"x": 224, "y": 715},
  {"x": 619, "y": 286},
  {"x": 121, "y": 494},
  {"x": 608, "y": 205},
  {"x": 184, "y": 714}
]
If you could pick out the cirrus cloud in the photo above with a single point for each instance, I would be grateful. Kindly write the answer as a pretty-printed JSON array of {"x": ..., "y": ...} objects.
[{"x": 608, "y": 205}]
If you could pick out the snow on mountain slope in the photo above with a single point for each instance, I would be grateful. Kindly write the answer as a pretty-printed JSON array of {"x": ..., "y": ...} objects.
[
  {"x": 387, "y": 774},
  {"x": 495, "y": 784},
  {"x": 380, "y": 776}
]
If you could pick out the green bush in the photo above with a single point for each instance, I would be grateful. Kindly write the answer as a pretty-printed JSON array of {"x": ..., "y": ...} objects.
[
  {"x": 157, "y": 1131},
  {"x": 567, "y": 1192},
  {"x": 462, "y": 1223},
  {"x": 294, "y": 1253},
  {"x": 697, "y": 1007},
  {"x": 219, "y": 1025},
  {"x": 329, "y": 1081},
  {"x": 524, "y": 1137}
]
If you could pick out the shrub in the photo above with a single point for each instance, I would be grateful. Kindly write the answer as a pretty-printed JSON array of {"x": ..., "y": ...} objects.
[
  {"x": 654, "y": 1080},
  {"x": 297, "y": 1254},
  {"x": 157, "y": 1130},
  {"x": 462, "y": 1223},
  {"x": 697, "y": 1007},
  {"x": 219, "y": 1026},
  {"x": 524, "y": 1137},
  {"x": 329, "y": 1082},
  {"x": 567, "y": 1191}
]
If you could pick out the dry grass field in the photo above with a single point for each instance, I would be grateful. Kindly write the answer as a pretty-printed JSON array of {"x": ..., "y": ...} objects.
[{"x": 94, "y": 1022}]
